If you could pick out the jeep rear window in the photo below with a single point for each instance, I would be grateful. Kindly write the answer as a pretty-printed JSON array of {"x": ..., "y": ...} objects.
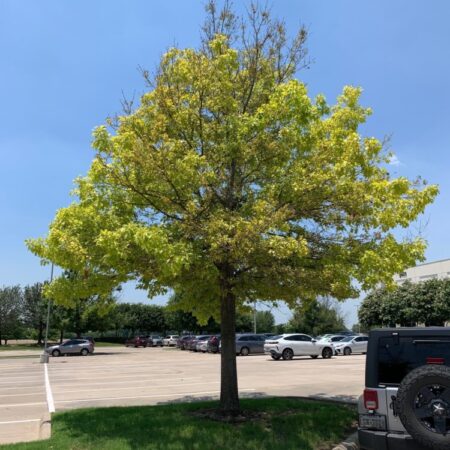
[{"x": 397, "y": 356}]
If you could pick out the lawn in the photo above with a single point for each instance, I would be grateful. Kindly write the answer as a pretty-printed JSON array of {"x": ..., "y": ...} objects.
[
  {"x": 4, "y": 347},
  {"x": 287, "y": 424}
]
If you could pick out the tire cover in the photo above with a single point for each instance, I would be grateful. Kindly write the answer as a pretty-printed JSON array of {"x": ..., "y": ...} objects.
[{"x": 405, "y": 404}]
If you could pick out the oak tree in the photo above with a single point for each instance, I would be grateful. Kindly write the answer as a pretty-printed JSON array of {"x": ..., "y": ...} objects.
[{"x": 229, "y": 184}]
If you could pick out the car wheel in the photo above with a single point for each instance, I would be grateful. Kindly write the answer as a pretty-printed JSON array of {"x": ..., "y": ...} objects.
[
  {"x": 275, "y": 357},
  {"x": 56, "y": 353},
  {"x": 347, "y": 351},
  {"x": 245, "y": 351},
  {"x": 288, "y": 354},
  {"x": 314, "y": 356},
  {"x": 84, "y": 352},
  {"x": 423, "y": 405},
  {"x": 327, "y": 353}
]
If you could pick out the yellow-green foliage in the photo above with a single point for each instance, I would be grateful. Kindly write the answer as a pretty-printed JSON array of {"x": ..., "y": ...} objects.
[{"x": 220, "y": 169}]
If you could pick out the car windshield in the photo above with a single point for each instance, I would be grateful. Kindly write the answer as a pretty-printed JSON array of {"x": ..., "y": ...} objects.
[{"x": 347, "y": 339}]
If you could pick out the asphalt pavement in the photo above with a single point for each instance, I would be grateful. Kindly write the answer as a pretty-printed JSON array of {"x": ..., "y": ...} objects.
[{"x": 117, "y": 376}]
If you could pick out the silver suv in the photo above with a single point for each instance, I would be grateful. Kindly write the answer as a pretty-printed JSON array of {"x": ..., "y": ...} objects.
[
  {"x": 406, "y": 402},
  {"x": 72, "y": 347}
]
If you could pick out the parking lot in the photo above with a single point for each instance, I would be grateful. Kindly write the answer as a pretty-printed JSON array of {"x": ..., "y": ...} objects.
[{"x": 117, "y": 376}]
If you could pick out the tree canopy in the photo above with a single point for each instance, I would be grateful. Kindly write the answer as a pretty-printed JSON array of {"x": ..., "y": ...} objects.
[
  {"x": 229, "y": 184},
  {"x": 317, "y": 317},
  {"x": 410, "y": 304}
]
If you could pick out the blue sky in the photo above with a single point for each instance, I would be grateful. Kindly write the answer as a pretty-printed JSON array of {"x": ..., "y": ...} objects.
[{"x": 64, "y": 66}]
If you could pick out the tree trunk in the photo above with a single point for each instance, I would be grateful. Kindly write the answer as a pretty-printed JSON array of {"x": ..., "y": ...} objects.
[
  {"x": 41, "y": 333},
  {"x": 61, "y": 335},
  {"x": 229, "y": 395}
]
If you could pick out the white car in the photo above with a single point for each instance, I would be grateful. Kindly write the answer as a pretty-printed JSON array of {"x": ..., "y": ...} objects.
[
  {"x": 287, "y": 346},
  {"x": 170, "y": 340},
  {"x": 351, "y": 344}
]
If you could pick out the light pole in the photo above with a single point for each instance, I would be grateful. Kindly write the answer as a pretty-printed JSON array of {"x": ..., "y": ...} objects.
[{"x": 44, "y": 356}]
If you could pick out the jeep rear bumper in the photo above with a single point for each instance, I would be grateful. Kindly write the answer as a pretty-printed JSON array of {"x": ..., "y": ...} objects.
[{"x": 382, "y": 440}]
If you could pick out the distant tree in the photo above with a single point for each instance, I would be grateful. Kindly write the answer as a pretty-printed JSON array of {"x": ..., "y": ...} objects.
[
  {"x": 317, "y": 317},
  {"x": 410, "y": 304},
  {"x": 280, "y": 328},
  {"x": 265, "y": 322},
  {"x": 35, "y": 310},
  {"x": 151, "y": 318},
  {"x": 11, "y": 309}
]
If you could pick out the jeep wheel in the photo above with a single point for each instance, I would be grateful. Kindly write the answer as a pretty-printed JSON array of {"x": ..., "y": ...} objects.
[
  {"x": 327, "y": 353},
  {"x": 275, "y": 357},
  {"x": 288, "y": 354},
  {"x": 423, "y": 405},
  {"x": 347, "y": 351}
]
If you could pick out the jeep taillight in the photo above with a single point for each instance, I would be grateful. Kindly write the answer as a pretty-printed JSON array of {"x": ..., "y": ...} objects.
[
  {"x": 439, "y": 361},
  {"x": 370, "y": 399}
]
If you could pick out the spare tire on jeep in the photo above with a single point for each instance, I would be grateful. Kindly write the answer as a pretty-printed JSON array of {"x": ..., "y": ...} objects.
[{"x": 423, "y": 405}]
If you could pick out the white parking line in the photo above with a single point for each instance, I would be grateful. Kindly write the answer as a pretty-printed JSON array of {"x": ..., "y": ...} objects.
[
  {"x": 14, "y": 405},
  {"x": 64, "y": 391},
  {"x": 141, "y": 380},
  {"x": 19, "y": 421},
  {"x": 48, "y": 390},
  {"x": 146, "y": 396}
]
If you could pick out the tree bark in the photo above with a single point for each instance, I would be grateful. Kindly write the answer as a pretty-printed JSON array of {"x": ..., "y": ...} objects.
[
  {"x": 41, "y": 333},
  {"x": 229, "y": 394}
]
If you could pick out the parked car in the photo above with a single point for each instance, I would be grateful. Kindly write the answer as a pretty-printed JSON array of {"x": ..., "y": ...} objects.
[
  {"x": 351, "y": 344},
  {"x": 406, "y": 401},
  {"x": 89, "y": 338},
  {"x": 332, "y": 338},
  {"x": 213, "y": 344},
  {"x": 287, "y": 346},
  {"x": 155, "y": 341},
  {"x": 182, "y": 342},
  {"x": 72, "y": 347},
  {"x": 202, "y": 344},
  {"x": 192, "y": 343},
  {"x": 170, "y": 340},
  {"x": 137, "y": 341},
  {"x": 249, "y": 344}
]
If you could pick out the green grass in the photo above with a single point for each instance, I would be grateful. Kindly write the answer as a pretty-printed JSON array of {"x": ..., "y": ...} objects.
[
  {"x": 108, "y": 344},
  {"x": 4, "y": 347},
  {"x": 289, "y": 424}
]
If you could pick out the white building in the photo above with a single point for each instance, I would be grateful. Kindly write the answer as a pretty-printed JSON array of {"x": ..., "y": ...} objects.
[{"x": 423, "y": 272}]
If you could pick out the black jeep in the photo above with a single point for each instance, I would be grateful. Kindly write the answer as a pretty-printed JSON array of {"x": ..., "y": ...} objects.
[{"x": 406, "y": 403}]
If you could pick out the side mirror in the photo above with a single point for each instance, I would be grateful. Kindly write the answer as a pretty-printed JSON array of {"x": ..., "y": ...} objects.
[{"x": 313, "y": 341}]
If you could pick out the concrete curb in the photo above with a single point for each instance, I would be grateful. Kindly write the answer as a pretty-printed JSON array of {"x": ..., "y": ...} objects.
[
  {"x": 45, "y": 427},
  {"x": 351, "y": 443}
]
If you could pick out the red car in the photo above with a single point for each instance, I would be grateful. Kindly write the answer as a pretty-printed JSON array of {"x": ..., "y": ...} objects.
[{"x": 138, "y": 341}]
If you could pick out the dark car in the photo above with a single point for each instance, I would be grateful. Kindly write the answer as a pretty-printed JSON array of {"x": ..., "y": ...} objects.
[
  {"x": 406, "y": 401},
  {"x": 183, "y": 341},
  {"x": 213, "y": 344},
  {"x": 250, "y": 343},
  {"x": 138, "y": 341}
]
